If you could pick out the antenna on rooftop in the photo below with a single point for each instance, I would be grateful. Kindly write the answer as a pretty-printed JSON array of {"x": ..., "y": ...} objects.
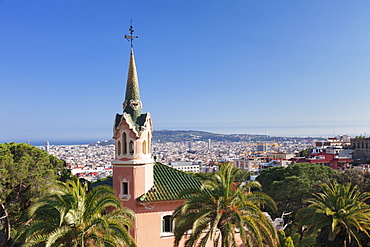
[{"x": 131, "y": 37}]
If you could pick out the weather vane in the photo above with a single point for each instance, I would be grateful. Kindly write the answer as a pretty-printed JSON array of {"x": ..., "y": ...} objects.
[{"x": 131, "y": 37}]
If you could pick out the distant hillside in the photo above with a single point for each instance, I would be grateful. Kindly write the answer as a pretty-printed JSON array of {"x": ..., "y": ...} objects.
[{"x": 194, "y": 135}]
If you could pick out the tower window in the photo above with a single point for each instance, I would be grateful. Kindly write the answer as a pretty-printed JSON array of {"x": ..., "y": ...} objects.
[
  {"x": 144, "y": 147},
  {"x": 119, "y": 148},
  {"x": 167, "y": 223},
  {"x": 149, "y": 150},
  {"x": 124, "y": 188},
  {"x": 124, "y": 141},
  {"x": 131, "y": 147},
  {"x": 124, "y": 193}
]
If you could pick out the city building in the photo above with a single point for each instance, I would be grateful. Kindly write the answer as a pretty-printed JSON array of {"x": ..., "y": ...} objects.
[
  {"x": 186, "y": 166},
  {"x": 326, "y": 159},
  {"x": 335, "y": 145},
  {"x": 249, "y": 164},
  {"x": 361, "y": 149},
  {"x": 47, "y": 147},
  {"x": 261, "y": 147}
]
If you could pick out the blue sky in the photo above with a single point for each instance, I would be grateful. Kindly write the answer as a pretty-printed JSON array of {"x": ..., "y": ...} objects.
[{"x": 286, "y": 68}]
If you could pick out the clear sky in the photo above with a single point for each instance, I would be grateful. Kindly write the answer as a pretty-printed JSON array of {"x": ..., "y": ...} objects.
[{"x": 286, "y": 68}]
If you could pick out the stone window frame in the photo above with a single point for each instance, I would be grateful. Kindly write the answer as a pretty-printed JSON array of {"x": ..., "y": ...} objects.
[{"x": 124, "y": 185}]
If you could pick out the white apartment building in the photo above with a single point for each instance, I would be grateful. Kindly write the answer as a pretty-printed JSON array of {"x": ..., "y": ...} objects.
[{"x": 185, "y": 166}]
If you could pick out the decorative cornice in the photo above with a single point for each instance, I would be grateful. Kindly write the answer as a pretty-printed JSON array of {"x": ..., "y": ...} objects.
[
  {"x": 132, "y": 125},
  {"x": 135, "y": 163}
]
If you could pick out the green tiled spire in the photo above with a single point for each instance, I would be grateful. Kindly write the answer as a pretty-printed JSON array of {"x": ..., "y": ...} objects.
[{"x": 132, "y": 104}]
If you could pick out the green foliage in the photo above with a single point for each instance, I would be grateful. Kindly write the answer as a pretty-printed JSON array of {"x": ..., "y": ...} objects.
[
  {"x": 220, "y": 208},
  {"x": 242, "y": 175},
  {"x": 359, "y": 178},
  {"x": 294, "y": 240},
  {"x": 285, "y": 241},
  {"x": 25, "y": 174},
  {"x": 70, "y": 215},
  {"x": 290, "y": 186},
  {"x": 303, "y": 153},
  {"x": 108, "y": 181},
  {"x": 342, "y": 210}
]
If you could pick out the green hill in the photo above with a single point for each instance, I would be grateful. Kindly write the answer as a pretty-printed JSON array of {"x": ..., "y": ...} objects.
[{"x": 194, "y": 135}]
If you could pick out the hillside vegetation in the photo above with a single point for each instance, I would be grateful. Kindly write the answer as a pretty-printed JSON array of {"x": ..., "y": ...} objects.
[{"x": 195, "y": 135}]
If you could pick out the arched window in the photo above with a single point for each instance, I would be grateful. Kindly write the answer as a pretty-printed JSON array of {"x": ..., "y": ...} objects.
[
  {"x": 124, "y": 140},
  {"x": 149, "y": 150},
  {"x": 167, "y": 223},
  {"x": 131, "y": 147},
  {"x": 143, "y": 145},
  {"x": 119, "y": 148}
]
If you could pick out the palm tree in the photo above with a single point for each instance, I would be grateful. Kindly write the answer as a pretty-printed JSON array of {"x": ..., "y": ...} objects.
[
  {"x": 294, "y": 240},
  {"x": 70, "y": 215},
  {"x": 342, "y": 208},
  {"x": 220, "y": 209}
]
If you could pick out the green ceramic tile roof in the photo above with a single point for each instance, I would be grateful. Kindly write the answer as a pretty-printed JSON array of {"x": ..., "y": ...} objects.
[
  {"x": 132, "y": 104},
  {"x": 117, "y": 120},
  {"x": 168, "y": 183}
]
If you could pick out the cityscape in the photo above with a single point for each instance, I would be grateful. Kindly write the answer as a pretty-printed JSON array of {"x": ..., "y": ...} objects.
[
  {"x": 93, "y": 161},
  {"x": 248, "y": 127}
]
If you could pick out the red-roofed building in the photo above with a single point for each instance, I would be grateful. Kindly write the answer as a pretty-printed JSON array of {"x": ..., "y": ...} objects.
[{"x": 326, "y": 159}]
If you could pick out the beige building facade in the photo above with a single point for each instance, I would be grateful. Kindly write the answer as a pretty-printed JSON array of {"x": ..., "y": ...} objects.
[{"x": 361, "y": 149}]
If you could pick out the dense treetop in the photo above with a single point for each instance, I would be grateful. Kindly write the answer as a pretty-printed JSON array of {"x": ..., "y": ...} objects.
[
  {"x": 291, "y": 186},
  {"x": 26, "y": 172}
]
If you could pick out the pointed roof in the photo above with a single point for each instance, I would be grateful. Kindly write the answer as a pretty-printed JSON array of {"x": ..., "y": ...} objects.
[{"x": 132, "y": 104}]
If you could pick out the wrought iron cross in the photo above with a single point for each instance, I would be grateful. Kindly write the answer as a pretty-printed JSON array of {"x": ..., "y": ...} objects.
[{"x": 131, "y": 37}]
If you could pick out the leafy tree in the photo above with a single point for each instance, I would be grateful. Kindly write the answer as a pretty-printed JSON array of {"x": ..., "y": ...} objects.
[
  {"x": 290, "y": 186},
  {"x": 354, "y": 177},
  {"x": 340, "y": 208},
  {"x": 303, "y": 153},
  {"x": 25, "y": 174},
  {"x": 70, "y": 215},
  {"x": 220, "y": 208}
]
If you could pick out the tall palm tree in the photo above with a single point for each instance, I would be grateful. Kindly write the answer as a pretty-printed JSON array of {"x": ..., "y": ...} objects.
[
  {"x": 342, "y": 208},
  {"x": 222, "y": 209},
  {"x": 70, "y": 215}
]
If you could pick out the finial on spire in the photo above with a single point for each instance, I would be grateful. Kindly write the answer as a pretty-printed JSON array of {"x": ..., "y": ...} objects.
[{"x": 131, "y": 37}]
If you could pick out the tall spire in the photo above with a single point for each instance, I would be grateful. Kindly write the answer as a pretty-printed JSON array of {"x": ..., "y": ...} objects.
[{"x": 132, "y": 104}]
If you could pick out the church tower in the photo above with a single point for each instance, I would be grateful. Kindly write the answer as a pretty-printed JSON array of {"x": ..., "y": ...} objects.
[
  {"x": 151, "y": 190},
  {"x": 132, "y": 132}
]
